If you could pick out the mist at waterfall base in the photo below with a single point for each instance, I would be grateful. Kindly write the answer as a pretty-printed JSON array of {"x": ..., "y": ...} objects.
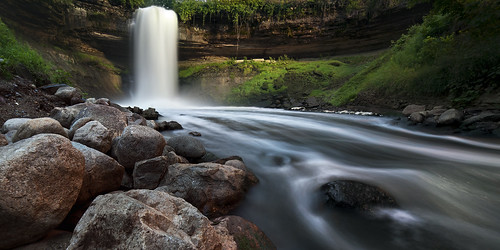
[{"x": 446, "y": 186}]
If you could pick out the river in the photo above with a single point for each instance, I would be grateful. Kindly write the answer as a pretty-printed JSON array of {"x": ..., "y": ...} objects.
[{"x": 448, "y": 187}]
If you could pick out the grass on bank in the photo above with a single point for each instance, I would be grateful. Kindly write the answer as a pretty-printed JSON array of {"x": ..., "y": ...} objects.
[
  {"x": 453, "y": 56},
  {"x": 18, "y": 57},
  {"x": 283, "y": 76}
]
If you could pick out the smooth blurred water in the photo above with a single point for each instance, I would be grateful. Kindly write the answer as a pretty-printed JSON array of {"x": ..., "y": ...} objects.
[
  {"x": 448, "y": 188},
  {"x": 155, "y": 34}
]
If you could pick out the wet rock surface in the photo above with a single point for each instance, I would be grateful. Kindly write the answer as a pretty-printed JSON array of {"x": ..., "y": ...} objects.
[{"x": 356, "y": 196}]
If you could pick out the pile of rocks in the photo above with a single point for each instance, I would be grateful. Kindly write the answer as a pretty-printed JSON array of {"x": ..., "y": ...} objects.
[
  {"x": 471, "y": 120},
  {"x": 109, "y": 174}
]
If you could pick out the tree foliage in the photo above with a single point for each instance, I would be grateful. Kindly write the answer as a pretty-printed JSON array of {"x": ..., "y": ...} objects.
[{"x": 256, "y": 11}]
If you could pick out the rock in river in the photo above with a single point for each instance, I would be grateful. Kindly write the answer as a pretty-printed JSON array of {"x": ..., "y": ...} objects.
[{"x": 356, "y": 195}]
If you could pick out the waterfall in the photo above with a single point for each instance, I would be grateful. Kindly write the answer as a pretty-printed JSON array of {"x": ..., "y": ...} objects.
[{"x": 155, "y": 35}]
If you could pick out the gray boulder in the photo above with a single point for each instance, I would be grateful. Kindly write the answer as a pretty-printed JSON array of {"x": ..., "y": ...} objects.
[
  {"x": 39, "y": 126},
  {"x": 148, "y": 173},
  {"x": 410, "y": 109},
  {"x": 417, "y": 117},
  {"x": 66, "y": 116},
  {"x": 13, "y": 124},
  {"x": 146, "y": 219},
  {"x": 450, "y": 117},
  {"x": 152, "y": 124},
  {"x": 138, "y": 143},
  {"x": 112, "y": 118},
  {"x": 213, "y": 188},
  {"x": 102, "y": 174},
  {"x": 68, "y": 94},
  {"x": 76, "y": 125},
  {"x": 136, "y": 119},
  {"x": 93, "y": 134},
  {"x": 40, "y": 178},
  {"x": 356, "y": 195},
  {"x": 187, "y": 146}
]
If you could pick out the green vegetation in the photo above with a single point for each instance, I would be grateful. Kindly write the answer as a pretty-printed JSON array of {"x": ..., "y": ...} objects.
[
  {"x": 97, "y": 61},
  {"x": 272, "y": 77},
  {"x": 452, "y": 56},
  {"x": 253, "y": 12},
  {"x": 19, "y": 57}
]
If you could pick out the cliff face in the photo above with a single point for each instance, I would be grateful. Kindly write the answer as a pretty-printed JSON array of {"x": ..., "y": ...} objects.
[
  {"x": 332, "y": 34},
  {"x": 88, "y": 39}
]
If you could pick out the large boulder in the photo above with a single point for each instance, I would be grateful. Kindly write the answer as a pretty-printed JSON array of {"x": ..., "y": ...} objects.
[
  {"x": 112, "y": 118},
  {"x": 410, "y": 109},
  {"x": 148, "y": 173},
  {"x": 66, "y": 115},
  {"x": 93, "y": 134},
  {"x": 39, "y": 126},
  {"x": 246, "y": 234},
  {"x": 356, "y": 195},
  {"x": 213, "y": 188},
  {"x": 13, "y": 124},
  {"x": 450, "y": 117},
  {"x": 146, "y": 219},
  {"x": 138, "y": 143},
  {"x": 40, "y": 179},
  {"x": 102, "y": 174},
  {"x": 187, "y": 146}
]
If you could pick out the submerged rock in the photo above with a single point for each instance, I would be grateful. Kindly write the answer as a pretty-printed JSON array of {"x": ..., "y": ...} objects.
[{"x": 356, "y": 195}]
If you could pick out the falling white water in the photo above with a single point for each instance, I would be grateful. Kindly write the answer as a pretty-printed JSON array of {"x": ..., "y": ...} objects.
[{"x": 155, "y": 54}]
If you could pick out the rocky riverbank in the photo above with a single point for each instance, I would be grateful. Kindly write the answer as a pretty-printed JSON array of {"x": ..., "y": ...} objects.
[{"x": 95, "y": 175}]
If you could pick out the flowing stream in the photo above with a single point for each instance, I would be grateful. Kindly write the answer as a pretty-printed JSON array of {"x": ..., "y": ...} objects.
[{"x": 447, "y": 187}]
